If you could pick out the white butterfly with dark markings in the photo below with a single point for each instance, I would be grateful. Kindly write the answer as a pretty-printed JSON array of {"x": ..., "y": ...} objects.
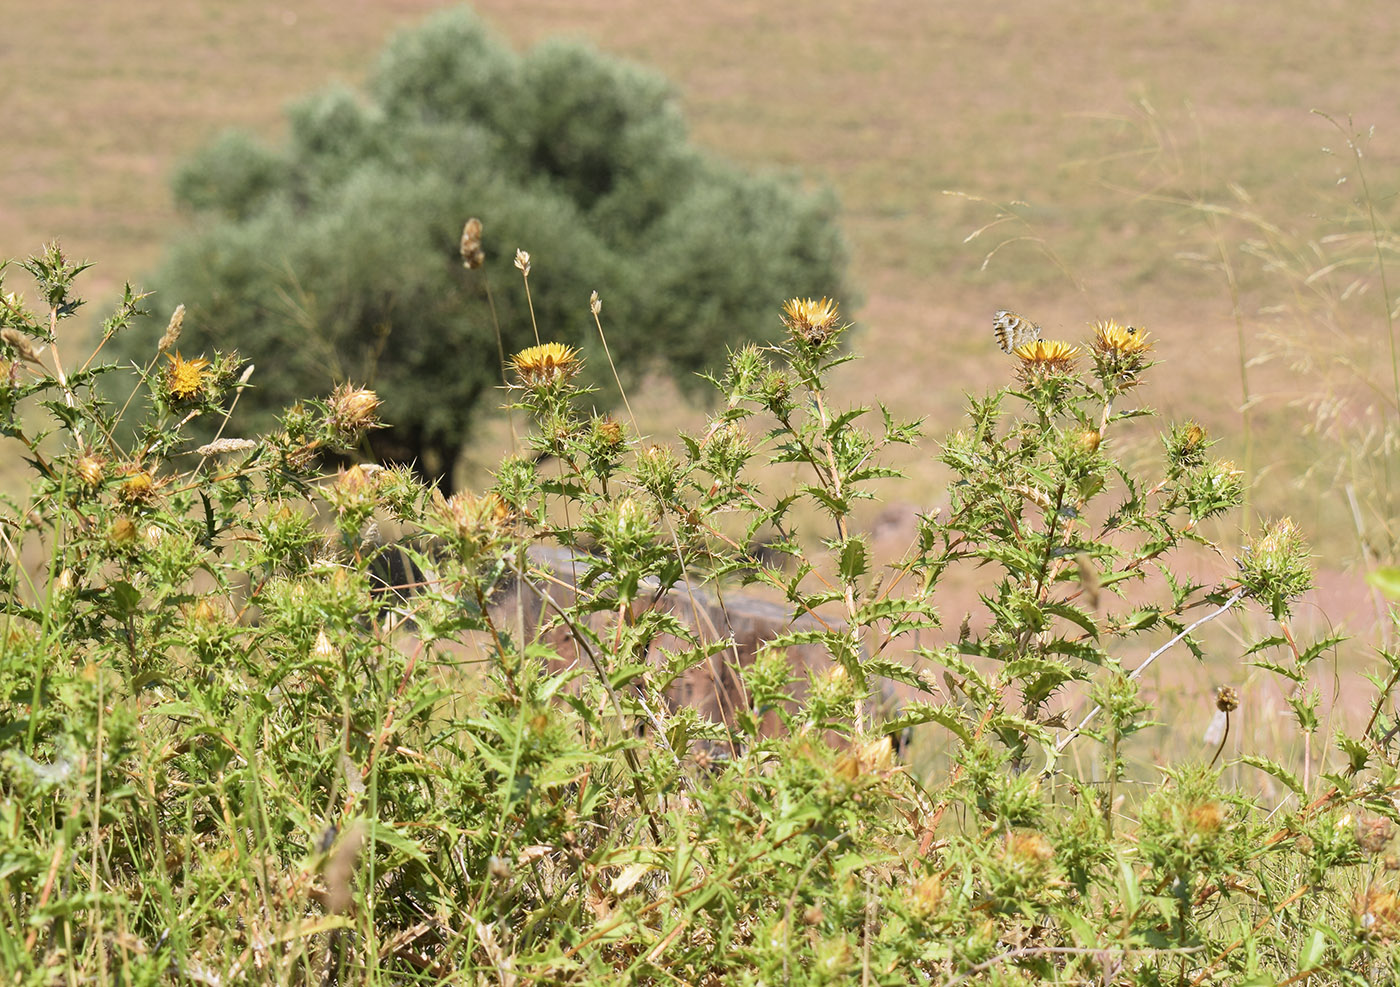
[{"x": 1014, "y": 330}]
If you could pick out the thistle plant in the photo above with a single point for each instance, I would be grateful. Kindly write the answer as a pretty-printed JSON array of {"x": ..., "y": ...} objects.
[{"x": 234, "y": 749}]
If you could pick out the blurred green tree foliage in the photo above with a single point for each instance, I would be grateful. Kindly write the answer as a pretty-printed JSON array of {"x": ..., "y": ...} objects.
[{"x": 335, "y": 256}]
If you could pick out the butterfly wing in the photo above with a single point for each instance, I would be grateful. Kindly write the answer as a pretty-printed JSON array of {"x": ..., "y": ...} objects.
[{"x": 1013, "y": 330}]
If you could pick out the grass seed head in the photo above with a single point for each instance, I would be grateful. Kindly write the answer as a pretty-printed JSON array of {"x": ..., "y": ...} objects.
[
  {"x": 223, "y": 447},
  {"x": 172, "y": 330},
  {"x": 21, "y": 344},
  {"x": 473, "y": 256}
]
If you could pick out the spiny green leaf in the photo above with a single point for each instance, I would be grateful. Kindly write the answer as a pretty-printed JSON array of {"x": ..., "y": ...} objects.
[{"x": 1277, "y": 770}]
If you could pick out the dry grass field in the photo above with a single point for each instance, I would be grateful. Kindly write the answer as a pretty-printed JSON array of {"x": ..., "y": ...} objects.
[{"x": 1083, "y": 133}]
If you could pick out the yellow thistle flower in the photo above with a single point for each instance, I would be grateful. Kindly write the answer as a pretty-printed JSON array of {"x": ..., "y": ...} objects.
[
  {"x": 1047, "y": 356},
  {"x": 1110, "y": 338},
  {"x": 546, "y": 364},
  {"x": 809, "y": 320},
  {"x": 185, "y": 379},
  {"x": 138, "y": 487}
]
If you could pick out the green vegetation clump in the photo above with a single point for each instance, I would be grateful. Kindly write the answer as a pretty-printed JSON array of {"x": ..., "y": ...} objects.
[
  {"x": 230, "y": 754},
  {"x": 340, "y": 254}
]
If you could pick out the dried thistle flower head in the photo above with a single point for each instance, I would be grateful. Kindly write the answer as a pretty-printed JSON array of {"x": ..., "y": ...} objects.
[
  {"x": 609, "y": 430},
  {"x": 1378, "y": 913},
  {"x": 1278, "y": 566},
  {"x": 1227, "y": 699},
  {"x": 810, "y": 320},
  {"x": 90, "y": 469},
  {"x": 595, "y": 304},
  {"x": 207, "y": 612},
  {"x": 352, "y": 411},
  {"x": 185, "y": 380},
  {"x": 522, "y": 261},
  {"x": 926, "y": 895},
  {"x": 474, "y": 522},
  {"x": 172, "y": 330},
  {"x": 354, "y": 489},
  {"x": 1030, "y": 846},
  {"x": 122, "y": 533},
  {"x": 1283, "y": 537},
  {"x": 1186, "y": 447},
  {"x": 1372, "y": 835},
  {"x": 1207, "y": 817},
  {"x": 1046, "y": 356},
  {"x": 546, "y": 364},
  {"x": 473, "y": 256}
]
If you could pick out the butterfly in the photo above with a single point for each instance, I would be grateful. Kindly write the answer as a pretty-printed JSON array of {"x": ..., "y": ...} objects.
[{"x": 1014, "y": 330}]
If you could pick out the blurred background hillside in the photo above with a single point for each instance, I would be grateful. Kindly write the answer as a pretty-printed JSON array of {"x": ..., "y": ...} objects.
[{"x": 1156, "y": 163}]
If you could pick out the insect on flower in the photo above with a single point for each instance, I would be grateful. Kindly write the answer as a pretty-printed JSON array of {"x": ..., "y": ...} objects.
[{"x": 1014, "y": 330}]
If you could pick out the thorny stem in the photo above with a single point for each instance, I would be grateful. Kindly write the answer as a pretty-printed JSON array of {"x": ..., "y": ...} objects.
[
  {"x": 1380, "y": 701},
  {"x": 1219, "y": 611},
  {"x": 1223, "y": 737},
  {"x": 843, "y": 533}
]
